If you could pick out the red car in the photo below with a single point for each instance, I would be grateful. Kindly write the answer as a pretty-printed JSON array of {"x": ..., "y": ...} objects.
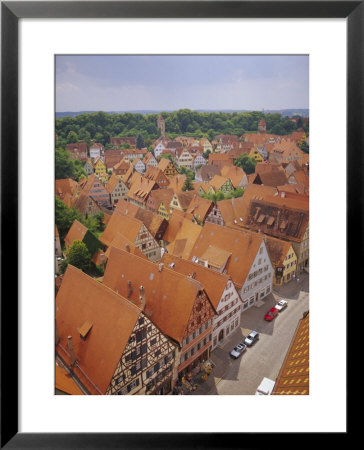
[{"x": 271, "y": 314}]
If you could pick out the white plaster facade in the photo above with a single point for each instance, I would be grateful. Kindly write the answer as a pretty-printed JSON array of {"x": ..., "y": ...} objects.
[
  {"x": 228, "y": 318},
  {"x": 259, "y": 281}
]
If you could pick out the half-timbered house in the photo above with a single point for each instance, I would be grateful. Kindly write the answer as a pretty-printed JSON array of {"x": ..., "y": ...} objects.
[
  {"x": 135, "y": 231},
  {"x": 107, "y": 343},
  {"x": 177, "y": 304}
]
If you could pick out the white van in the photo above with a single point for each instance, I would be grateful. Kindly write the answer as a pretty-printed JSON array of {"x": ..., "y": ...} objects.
[{"x": 265, "y": 387}]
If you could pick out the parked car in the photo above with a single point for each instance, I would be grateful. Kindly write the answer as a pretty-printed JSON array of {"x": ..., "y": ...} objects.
[
  {"x": 271, "y": 314},
  {"x": 252, "y": 337},
  {"x": 265, "y": 387},
  {"x": 238, "y": 350},
  {"x": 281, "y": 305}
]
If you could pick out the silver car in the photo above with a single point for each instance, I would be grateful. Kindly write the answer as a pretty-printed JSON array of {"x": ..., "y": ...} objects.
[
  {"x": 281, "y": 305},
  {"x": 238, "y": 350},
  {"x": 252, "y": 337}
]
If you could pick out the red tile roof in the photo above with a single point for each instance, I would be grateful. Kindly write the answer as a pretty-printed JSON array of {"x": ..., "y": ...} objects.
[
  {"x": 170, "y": 296},
  {"x": 82, "y": 299}
]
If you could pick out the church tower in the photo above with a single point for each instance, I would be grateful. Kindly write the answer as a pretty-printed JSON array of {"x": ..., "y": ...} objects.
[
  {"x": 161, "y": 124},
  {"x": 262, "y": 126}
]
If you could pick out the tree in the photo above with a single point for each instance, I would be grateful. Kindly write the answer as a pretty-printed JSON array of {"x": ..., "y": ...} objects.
[
  {"x": 63, "y": 166},
  {"x": 78, "y": 255},
  {"x": 246, "y": 163},
  {"x": 65, "y": 217},
  {"x": 188, "y": 186},
  {"x": 140, "y": 141},
  {"x": 305, "y": 147},
  {"x": 72, "y": 137}
]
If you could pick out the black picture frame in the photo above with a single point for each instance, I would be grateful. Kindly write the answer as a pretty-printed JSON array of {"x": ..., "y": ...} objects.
[{"x": 11, "y": 12}]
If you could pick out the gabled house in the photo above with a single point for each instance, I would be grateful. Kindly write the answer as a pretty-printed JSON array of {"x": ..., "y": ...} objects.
[
  {"x": 221, "y": 292},
  {"x": 99, "y": 167},
  {"x": 149, "y": 160},
  {"x": 274, "y": 178},
  {"x": 78, "y": 150},
  {"x": 283, "y": 258},
  {"x": 108, "y": 344},
  {"x": 112, "y": 158},
  {"x": 184, "y": 158},
  {"x": 286, "y": 151},
  {"x": 135, "y": 231},
  {"x": 198, "y": 160},
  {"x": 181, "y": 200},
  {"x": 121, "y": 168},
  {"x": 156, "y": 224},
  {"x": 140, "y": 190},
  {"x": 186, "y": 235},
  {"x": 122, "y": 243},
  {"x": 65, "y": 186},
  {"x": 198, "y": 209},
  {"x": 139, "y": 166},
  {"x": 255, "y": 154},
  {"x": 97, "y": 150},
  {"x": 95, "y": 189},
  {"x": 160, "y": 146},
  {"x": 116, "y": 141},
  {"x": 177, "y": 304},
  {"x": 236, "y": 175},
  {"x": 158, "y": 197},
  {"x": 157, "y": 175},
  {"x": 220, "y": 160},
  {"x": 227, "y": 213},
  {"x": 220, "y": 184},
  {"x": 85, "y": 204},
  {"x": 206, "y": 173},
  {"x": 88, "y": 167},
  {"x": 242, "y": 255},
  {"x": 167, "y": 167},
  {"x": 117, "y": 189},
  {"x": 286, "y": 217}
]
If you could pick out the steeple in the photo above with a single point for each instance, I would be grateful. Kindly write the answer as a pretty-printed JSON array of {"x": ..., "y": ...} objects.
[{"x": 161, "y": 124}]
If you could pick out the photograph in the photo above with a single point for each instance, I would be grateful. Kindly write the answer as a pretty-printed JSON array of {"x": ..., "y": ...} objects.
[{"x": 181, "y": 233}]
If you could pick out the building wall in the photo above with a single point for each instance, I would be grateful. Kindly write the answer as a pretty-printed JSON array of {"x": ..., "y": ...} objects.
[
  {"x": 147, "y": 244},
  {"x": 147, "y": 363},
  {"x": 302, "y": 250},
  {"x": 228, "y": 318},
  {"x": 259, "y": 281},
  {"x": 215, "y": 216}
]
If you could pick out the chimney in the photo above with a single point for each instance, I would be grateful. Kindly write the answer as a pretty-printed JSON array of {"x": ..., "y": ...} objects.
[
  {"x": 142, "y": 297},
  {"x": 283, "y": 194},
  {"x": 160, "y": 267},
  {"x": 130, "y": 290},
  {"x": 127, "y": 248},
  {"x": 70, "y": 348}
]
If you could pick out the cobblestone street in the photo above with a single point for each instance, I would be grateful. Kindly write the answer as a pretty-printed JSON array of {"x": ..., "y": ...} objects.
[{"x": 264, "y": 359}]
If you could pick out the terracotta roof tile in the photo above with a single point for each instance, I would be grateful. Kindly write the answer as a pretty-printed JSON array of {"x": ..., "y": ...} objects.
[
  {"x": 293, "y": 378},
  {"x": 124, "y": 224},
  {"x": 65, "y": 382},
  {"x": 80, "y": 299},
  {"x": 76, "y": 233},
  {"x": 242, "y": 245},
  {"x": 213, "y": 282},
  {"x": 170, "y": 296}
]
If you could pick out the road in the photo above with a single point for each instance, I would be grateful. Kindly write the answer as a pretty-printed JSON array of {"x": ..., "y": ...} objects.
[{"x": 265, "y": 358}]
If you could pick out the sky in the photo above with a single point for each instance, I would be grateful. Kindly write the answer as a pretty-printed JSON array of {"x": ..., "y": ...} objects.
[{"x": 166, "y": 82}]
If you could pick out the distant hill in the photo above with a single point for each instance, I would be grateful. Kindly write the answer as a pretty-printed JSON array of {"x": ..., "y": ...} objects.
[{"x": 283, "y": 112}]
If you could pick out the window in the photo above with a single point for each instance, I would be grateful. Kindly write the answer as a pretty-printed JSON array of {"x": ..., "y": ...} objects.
[{"x": 140, "y": 335}]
